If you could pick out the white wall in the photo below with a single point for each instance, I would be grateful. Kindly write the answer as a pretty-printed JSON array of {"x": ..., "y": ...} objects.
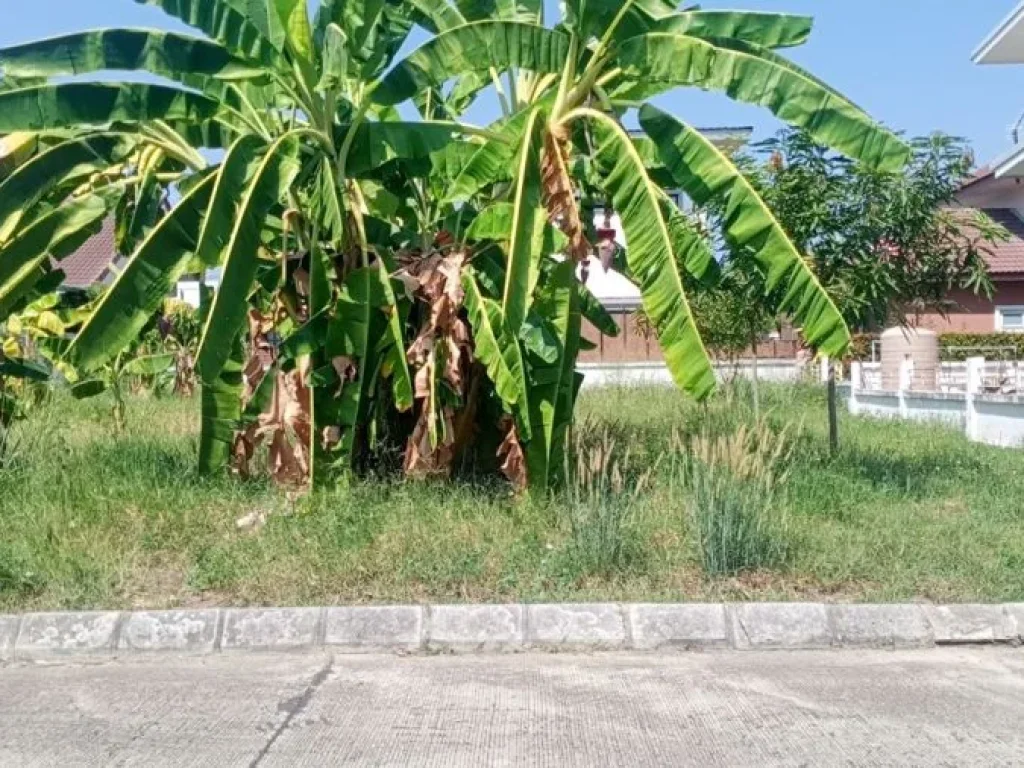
[{"x": 985, "y": 418}]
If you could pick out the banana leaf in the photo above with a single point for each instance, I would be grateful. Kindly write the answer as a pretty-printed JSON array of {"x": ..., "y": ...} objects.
[
  {"x": 710, "y": 178},
  {"x": 79, "y": 105}
]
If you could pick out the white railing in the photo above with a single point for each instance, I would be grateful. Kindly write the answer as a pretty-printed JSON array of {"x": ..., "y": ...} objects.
[
  {"x": 1004, "y": 377},
  {"x": 985, "y": 407}
]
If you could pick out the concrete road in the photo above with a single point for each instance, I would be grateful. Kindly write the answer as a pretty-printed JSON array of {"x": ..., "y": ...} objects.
[{"x": 933, "y": 707}]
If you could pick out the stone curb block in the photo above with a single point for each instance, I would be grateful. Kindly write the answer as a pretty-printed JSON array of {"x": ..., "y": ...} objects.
[
  {"x": 600, "y": 625},
  {"x": 881, "y": 625},
  {"x": 779, "y": 625},
  {"x": 271, "y": 629},
  {"x": 173, "y": 631},
  {"x": 475, "y": 627},
  {"x": 374, "y": 628},
  {"x": 1016, "y": 613},
  {"x": 8, "y": 634},
  {"x": 360, "y": 629},
  {"x": 683, "y": 626},
  {"x": 971, "y": 623},
  {"x": 48, "y": 635}
]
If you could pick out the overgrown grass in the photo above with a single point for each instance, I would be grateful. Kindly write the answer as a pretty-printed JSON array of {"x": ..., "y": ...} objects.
[{"x": 90, "y": 520}]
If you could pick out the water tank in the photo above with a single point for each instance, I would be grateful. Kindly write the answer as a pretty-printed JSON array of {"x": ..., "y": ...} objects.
[{"x": 917, "y": 344}]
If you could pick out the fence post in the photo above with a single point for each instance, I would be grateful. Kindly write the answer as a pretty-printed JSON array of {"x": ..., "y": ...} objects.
[
  {"x": 856, "y": 382},
  {"x": 905, "y": 382},
  {"x": 975, "y": 387},
  {"x": 823, "y": 361}
]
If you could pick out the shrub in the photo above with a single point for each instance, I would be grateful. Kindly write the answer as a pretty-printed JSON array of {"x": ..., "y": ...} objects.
[
  {"x": 993, "y": 346},
  {"x": 736, "y": 505}
]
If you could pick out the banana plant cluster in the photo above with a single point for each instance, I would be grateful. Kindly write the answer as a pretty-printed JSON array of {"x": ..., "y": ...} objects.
[{"x": 392, "y": 276}]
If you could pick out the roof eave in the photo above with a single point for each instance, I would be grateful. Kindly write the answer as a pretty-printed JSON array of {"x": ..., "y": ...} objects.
[
  {"x": 1011, "y": 165},
  {"x": 983, "y": 54}
]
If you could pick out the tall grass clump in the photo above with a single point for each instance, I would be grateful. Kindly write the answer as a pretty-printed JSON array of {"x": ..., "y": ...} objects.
[
  {"x": 601, "y": 500},
  {"x": 736, "y": 505}
]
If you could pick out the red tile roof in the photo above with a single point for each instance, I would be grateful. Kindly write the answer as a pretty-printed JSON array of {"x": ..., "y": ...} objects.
[
  {"x": 1008, "y": 257},
  {"x": 90, "y": 263}
]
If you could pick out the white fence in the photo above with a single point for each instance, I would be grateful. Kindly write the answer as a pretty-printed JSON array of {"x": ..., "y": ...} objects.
[
  {"x": 978, "y": 397},
  {"x": 998, "y": 377},
  {"x": 625, "y": 374}
]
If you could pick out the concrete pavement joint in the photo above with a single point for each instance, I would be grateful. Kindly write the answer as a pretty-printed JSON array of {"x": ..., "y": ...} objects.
[{"x": 510, "y": 627}]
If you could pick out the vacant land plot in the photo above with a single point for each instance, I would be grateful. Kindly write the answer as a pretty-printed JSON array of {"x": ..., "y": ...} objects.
[{"x": 90, "y": 520}]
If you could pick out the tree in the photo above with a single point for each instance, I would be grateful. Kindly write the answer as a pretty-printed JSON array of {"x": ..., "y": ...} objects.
[
  {"x": 887, "y": 245},
  {"x": 386, "y": 280}
]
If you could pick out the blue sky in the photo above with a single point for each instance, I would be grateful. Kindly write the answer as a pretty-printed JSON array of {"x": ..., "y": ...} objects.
[{"x": 906, "y": 61}]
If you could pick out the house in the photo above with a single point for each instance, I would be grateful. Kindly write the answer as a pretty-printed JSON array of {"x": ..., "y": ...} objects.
[
  {"x": 93, "y": 263},
  {"x": 998, "y": 191},
  {"x": 1002, "y": 198}
]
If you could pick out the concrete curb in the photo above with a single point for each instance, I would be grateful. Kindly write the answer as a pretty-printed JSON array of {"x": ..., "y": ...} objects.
[{"x": 474, "y": 628}]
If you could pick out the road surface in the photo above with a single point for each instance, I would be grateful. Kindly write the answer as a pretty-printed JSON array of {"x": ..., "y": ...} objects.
[{"x": 929, "y": 707}]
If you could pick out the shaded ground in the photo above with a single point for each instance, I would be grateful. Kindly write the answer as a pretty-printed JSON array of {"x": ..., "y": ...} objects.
[
  {"x": 92, "y": 520},
  {"x": 934, "y": 707}
]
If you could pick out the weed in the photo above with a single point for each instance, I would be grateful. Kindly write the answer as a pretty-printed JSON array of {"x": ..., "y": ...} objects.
[
  {"x": 736, "y": 499},
  {"x": 600, "y": 502}
]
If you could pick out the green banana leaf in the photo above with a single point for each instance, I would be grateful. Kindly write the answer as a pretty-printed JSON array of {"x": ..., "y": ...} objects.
[
  {"x": 552, "y": 385},
  {"x": 436, "y": 15},
  {"x": 354, "y": 333},
  {"x": 137, "y": 212},
  {"x": 28, "y": 370},
  {"x": 654, "y": 253},
  {"x": 139, "y": 290},
  {"x": 227, "y": 22},
  {"x": 771, "y": 30},
  {"x": 526, "y": 233},
  {"x": 78, "y": 105},
  {"x": 235, "y": 174},
  {"x": 495, "y": 223},
  {"x": 656, "y": 62},
  {"x": 168, "y": 54},
  {"x": 220, "y": 403},
  {"x": 498, "y": 349},
  {"x": 269, "y": 185},
  {"x": 473, "y": 47},
  {"x": 83, "y": 390},
  {"x": 17, "y": 148},
  {"x": 34, "y": 282},
  {"x": 69, "y": 160},
  {"x": 699, "y": 262},
  {"x": 54, "y": 234},
  {"x": 494, "y": 160},
  {"x": 594, "y": 312},
  {"x": 530, "y": 11},
  {"x": 377, "y": 143},
  {"x": 709, "y": 177},
  {"x": 148, "y": 365},
  {"x": 290, "y": 27},
  {"x": 394, "y": 352}
]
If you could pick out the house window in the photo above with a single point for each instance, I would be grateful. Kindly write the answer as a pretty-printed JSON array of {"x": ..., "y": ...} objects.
[{"x": 1010, "y": 319}]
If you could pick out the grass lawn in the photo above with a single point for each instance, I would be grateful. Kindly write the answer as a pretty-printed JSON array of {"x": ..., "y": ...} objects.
[{"x": 906, "y": 512}]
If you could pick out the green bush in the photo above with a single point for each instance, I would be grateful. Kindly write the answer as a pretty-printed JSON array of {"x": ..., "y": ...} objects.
[{"x": 1012, "y": 345}]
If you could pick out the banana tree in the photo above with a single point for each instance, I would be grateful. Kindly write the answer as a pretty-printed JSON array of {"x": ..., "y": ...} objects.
[
  {"x": 290, "y": 213},
  {"x": 562, "y": 139},
  {"x": 419, "y": 279}
]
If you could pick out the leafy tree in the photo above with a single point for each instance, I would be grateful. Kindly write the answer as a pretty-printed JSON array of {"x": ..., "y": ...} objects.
[
  {"x": 390, "y": 281},
  {"x": 887, "y": 245}
]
